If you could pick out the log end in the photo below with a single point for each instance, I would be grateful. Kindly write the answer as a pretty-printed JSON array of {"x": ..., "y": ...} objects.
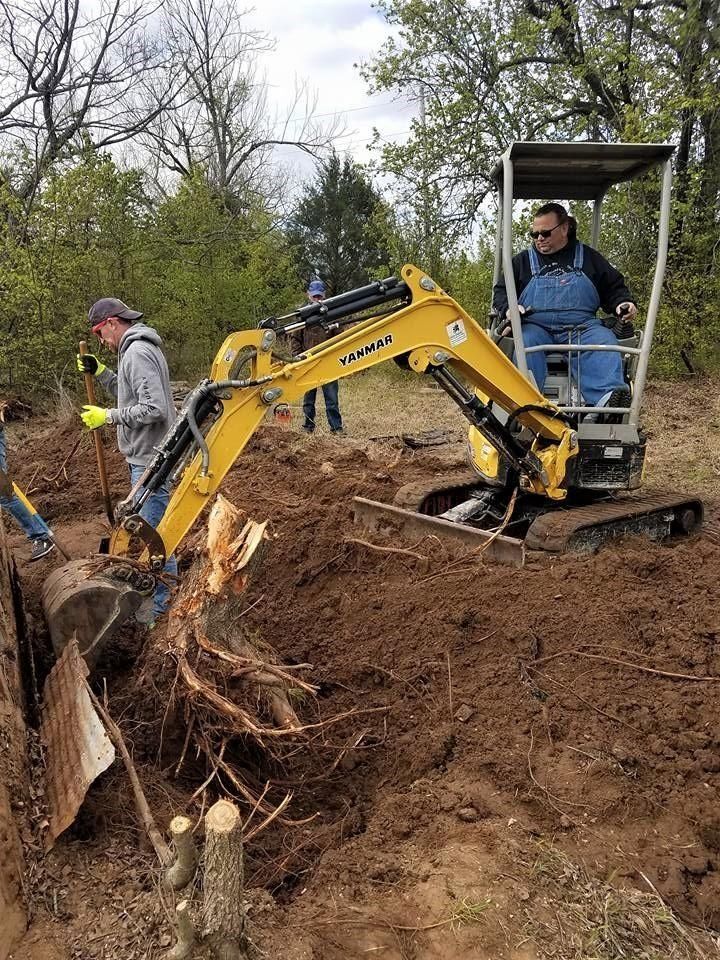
[{"x": 222, "y": 817}]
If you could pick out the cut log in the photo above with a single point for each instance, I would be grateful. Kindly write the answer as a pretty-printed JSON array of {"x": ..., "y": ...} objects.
[
  {"x": 223, "y": 910},
  {"x": 185, "y": 931},
  {"x": 182, "y": 871}
]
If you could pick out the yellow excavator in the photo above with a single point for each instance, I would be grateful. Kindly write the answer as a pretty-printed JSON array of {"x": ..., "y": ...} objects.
[{"x": 531, "y": 473}]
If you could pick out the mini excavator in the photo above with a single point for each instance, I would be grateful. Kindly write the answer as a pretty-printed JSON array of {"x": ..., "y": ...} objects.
[{"x": 535, "y": 458}]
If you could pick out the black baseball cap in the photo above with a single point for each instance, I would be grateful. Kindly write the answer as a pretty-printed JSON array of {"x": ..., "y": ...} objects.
[{"x": 110, "y": 307}]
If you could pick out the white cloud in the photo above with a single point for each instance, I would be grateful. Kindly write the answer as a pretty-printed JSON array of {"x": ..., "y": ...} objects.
[{"x": 320, "y": 43}]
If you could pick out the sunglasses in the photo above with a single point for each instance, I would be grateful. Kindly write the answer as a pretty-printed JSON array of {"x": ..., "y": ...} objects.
[
  {"x": 98, "y": 326},
  {"x": 545, "y": 233}
]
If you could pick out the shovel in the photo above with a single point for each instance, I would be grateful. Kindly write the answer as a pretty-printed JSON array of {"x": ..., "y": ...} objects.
[{"x": 99, "y": 452}]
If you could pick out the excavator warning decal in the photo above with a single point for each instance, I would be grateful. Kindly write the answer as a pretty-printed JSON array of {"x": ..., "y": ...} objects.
[
  {"x": 456, "y": 332},
  {"x": 366, "y": 350}
]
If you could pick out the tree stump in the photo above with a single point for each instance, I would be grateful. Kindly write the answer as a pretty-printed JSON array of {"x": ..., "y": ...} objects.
[
  {"x": 182, "y": 871},
  {"x": 185, "y": 930},
  {"x": 223, "y": 910},
  {"x": 207, "y": 613}
]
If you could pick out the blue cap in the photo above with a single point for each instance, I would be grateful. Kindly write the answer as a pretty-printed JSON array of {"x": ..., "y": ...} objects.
[{"x": 316, "y": 287}]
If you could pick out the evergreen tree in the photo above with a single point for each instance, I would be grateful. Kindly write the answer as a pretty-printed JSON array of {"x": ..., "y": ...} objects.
[{"x": 335, "y": 227}]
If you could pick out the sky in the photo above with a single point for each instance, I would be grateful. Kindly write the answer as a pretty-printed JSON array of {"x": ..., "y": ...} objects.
[{"x": 318, "y": 42}]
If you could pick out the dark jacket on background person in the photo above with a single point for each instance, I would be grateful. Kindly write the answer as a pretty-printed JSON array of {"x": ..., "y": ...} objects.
[
  {"x": 609, "y": 282},
  {"x": 302, "y": 340},
  {"x": 145, "y": 410}
]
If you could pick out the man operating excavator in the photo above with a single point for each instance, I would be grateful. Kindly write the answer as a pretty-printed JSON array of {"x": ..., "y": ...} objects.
[
  {"x": 145, "y": 410},
  {"x": 561, "y": 284}
]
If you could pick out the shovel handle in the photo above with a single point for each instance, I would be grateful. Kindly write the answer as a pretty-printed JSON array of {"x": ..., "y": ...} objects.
[{"x": 99, "y": 452}]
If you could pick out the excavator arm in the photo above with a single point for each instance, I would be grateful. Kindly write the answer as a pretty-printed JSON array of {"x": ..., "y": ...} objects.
[{"x": 408, "y": 319}]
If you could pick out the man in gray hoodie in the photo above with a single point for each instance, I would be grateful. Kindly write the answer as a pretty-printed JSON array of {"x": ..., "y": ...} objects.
[{"x": 145, "y": 409}]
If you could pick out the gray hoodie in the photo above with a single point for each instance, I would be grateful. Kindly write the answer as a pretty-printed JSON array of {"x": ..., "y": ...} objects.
[{"x": 145, "y": 410}]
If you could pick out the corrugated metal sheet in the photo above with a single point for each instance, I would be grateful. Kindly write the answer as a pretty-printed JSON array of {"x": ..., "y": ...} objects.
[{"x": 77, "y": 749}]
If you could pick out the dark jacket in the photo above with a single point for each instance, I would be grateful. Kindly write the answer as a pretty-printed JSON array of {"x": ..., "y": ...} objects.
[
  {"x": 302, "y": 340},
  {"x": 145, "y": 410},
  {"x": 609, "y": 282}
]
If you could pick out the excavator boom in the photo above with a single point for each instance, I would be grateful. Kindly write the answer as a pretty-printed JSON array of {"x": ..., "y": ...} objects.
[{"x": 428, "y": 328}]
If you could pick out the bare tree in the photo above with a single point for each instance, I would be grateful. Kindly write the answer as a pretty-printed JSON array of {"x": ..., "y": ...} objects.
[
  {"x": 223, "y": 125},
  {"x": 71, "y": 78}
]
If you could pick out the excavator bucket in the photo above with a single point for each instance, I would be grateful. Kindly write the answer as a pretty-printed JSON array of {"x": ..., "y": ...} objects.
[{"x": 89, "y": 601}]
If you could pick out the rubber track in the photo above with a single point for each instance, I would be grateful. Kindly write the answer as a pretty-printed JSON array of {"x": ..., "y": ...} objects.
[
  {"x": 411, "y": 496},
  {"x": 553, "y": 531}
]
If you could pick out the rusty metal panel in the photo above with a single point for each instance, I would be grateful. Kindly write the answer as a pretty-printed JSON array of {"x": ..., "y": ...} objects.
[{"x": 77, "y": 748}]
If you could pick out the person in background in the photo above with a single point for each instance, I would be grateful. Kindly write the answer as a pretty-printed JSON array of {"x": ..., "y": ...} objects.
[
  {"x": 300, "y": 342},
  {"x": 145, "y": 410},
  {"x": 32, "y": 524}
]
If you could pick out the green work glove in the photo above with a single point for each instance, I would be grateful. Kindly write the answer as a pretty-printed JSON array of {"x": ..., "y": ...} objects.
[
  {"x": 88, "y": 363},
  {"x": 93, "y": 417}
]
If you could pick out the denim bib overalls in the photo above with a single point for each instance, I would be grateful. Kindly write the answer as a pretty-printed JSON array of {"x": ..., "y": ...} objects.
[{"x": 562, "y": 301}]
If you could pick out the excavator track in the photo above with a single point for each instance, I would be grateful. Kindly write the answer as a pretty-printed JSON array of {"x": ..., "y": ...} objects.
[
  {"x": 584, "y": 529},
  {"x": 418, "y": 506},
  {"x": 433, "y": 497}
]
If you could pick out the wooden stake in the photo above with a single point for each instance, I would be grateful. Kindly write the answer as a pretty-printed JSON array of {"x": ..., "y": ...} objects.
[
  {"x": 185, "y": 930},
  {"x": 182, "y": 871},
  {"x": 223, "y": 910}
]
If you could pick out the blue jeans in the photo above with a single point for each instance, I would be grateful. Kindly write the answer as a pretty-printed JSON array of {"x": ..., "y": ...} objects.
[
  {"x": 600, "y": 372},
  {"x": 153, "y": 511},
  {"x": 332, "y": 408},
  {"x": 32, "y": 524}
]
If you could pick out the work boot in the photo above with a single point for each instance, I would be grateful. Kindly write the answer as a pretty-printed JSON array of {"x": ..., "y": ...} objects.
[
  {"x": 41, "y": 548},
  {"x": 620, "y": 397}
]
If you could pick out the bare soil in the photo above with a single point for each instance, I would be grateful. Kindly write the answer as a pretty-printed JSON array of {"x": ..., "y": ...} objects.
[{"x": 510, "y": 723}]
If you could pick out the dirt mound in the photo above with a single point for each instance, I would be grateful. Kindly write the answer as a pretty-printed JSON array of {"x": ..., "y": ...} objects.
[
  {"x": 577, "y": 699},
  {"x": 578, "y": 678}
]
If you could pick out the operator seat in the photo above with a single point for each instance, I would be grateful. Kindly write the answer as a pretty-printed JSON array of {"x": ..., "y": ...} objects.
[{"x": 557, "y": 383}]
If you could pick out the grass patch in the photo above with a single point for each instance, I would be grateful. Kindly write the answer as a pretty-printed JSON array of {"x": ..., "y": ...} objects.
[
  {"x": 578, "y": 917},
  {"x": 387, "y": 401},
  {"x": 467, "y": 911}
]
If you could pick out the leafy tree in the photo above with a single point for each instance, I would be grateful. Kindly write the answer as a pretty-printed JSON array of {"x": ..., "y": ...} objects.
[
  {"x": 79, "y": 243},
  {"x": 335, "y": 226},
  {"x": 486, "y": 74},
  {"x": 209, "y": 272}
]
